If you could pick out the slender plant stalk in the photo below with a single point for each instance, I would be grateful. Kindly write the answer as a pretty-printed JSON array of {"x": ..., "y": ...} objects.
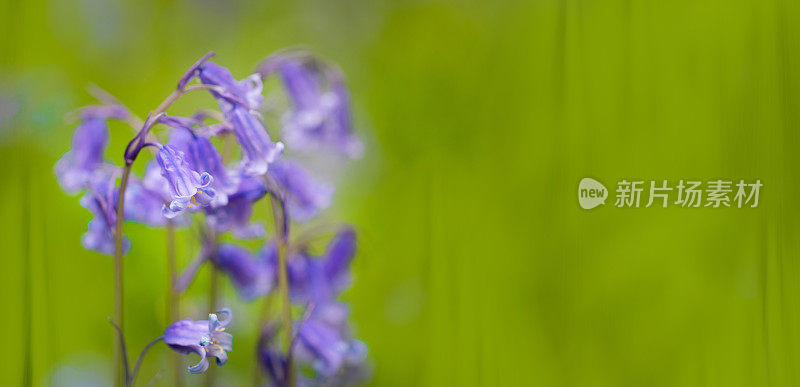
[
  {"x": 266, "y": 307},
  {"x": 213, "y": 289},
  {"x": 173, "y": 302},
  {"x": 132, "y": 376},
  {"x": 283, "y": 285},
  {"x": 213, "y": 302},
  {"x": 118, "y": 280}
]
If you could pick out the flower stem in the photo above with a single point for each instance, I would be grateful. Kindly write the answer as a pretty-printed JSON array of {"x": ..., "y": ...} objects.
[
  {"x": 118, "y": 279},
  {"x": 213, "y": 301},
  {"x": 173, "y": 302},
  {"x": 283, "y": 283},
  {"x": 213, "y": 295},
  {"x": 135, "y": 371}
]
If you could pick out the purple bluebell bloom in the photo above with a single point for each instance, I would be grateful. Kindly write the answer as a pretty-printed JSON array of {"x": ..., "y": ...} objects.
[
  {"x": 326, "y": 348},
  {"x": 252, "y": 277},
  {"x": 236, "y": 100},
  {"x": 246, "y": 92},
  {"x": 204, "y": 337},
  {"x": 75, "y": 169},
  {"x": 187, "y": 186},
  {"x": 101, "y": 200},
  {"x": 235, "y": 216},
  {"x": 336, "y": 358},
  {"x": 340, "y": 252},
  {"x": 320, "y": 117},
  {"x": 259, "y": 150},
  {"x": 320, "y": 280},
  {"x": 305, "y": 196},
  {"x": 143, "y": 205},
  {"x": 202, "y": 156}
]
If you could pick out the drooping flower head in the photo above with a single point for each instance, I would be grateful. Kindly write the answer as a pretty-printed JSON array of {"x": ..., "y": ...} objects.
[
  {"x": 101, "y": 200},
  {"x": 236, "y": 100},
  {"x": 320, "y": 117},
  {"x": 187, "y": 186},
  {"x": 75, "y": 169},
  {"x": 204, "y": 338},
  {"x": 201, "y": 156}
]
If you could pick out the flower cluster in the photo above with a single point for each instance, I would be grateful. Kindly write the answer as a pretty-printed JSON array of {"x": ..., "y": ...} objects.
[{"x": 189, "y": 182}]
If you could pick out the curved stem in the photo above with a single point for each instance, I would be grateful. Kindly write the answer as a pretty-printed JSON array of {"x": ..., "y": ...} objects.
[
  {"x": 124, "y": 350},
  {"x": 177, "y": 93},
  {"x": 132, "y": 377},
  {"x": 118, "y": 279}
]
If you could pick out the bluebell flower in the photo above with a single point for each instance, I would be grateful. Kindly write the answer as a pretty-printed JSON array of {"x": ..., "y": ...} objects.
[
  {"x": 320, "y": 280},
  {"x": 204, "y": 338},
  {"x": 339, "y": 254},
  {"x": 202, "y": 156},
  {"x": 143, "y": 205},
  {"x": 320, "y": 117},
  {"x": 335, "y": 358},
  {"x": 252, "y": 277},
  {"x": 326, "y": 348},
  {"x": 246, "y": 92},
  {"x": 75, "y": 169},
  {"x": 236, "y": 101},
  {"x": 235, "y": 215},
  {"x": 187, "y": 187},
  {"x": 101, "y": 200},
  {"x": 305, "y": 196}
]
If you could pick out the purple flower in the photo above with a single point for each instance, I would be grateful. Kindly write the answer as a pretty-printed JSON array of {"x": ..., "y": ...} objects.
[
  {"x": 246, "y": 92},
  {"x": 143, "y": 205},
  {"x": 259, "y": 150},
  {"x": 320, "y": 280},
  {"x": 252, "y": 277},
  {"x": 205, "y": 338},
  {"x": 340, "y": 252},
  {"x": 326, "y": 348},
  {"x": 235, "y": 216},
  {"x": 187, "y": 187},
  {"x": 305, "y": 197},
  {"x": 320, "y": 114},
  {"x": 236, "y": 100},
  {"x": 101, "y": 200},
  {"x": 335, "y": 357},
  {"x": 75, "y": 169},
  {"x": 202, "y": 156}
]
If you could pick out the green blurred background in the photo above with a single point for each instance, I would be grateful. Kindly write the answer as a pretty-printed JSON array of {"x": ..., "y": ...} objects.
[{"x": 476, "y": 265}]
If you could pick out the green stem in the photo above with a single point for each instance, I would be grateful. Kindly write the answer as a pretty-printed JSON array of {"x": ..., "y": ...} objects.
[
  {"x": 213, "y": 301},
  {"x": 266, "y": 307},
  {"x": 132, "y": 377},
  {"x": 118, "y": 279},
  {"x": 283, "y": 284},
  {"x": 173, "y": 302}
]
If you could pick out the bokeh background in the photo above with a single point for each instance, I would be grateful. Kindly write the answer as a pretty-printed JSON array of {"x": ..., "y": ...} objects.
[{"x": 476, "y": 265}]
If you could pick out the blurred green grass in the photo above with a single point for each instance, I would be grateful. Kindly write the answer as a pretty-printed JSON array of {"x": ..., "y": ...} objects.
[{"x": 476, "y": 266}]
